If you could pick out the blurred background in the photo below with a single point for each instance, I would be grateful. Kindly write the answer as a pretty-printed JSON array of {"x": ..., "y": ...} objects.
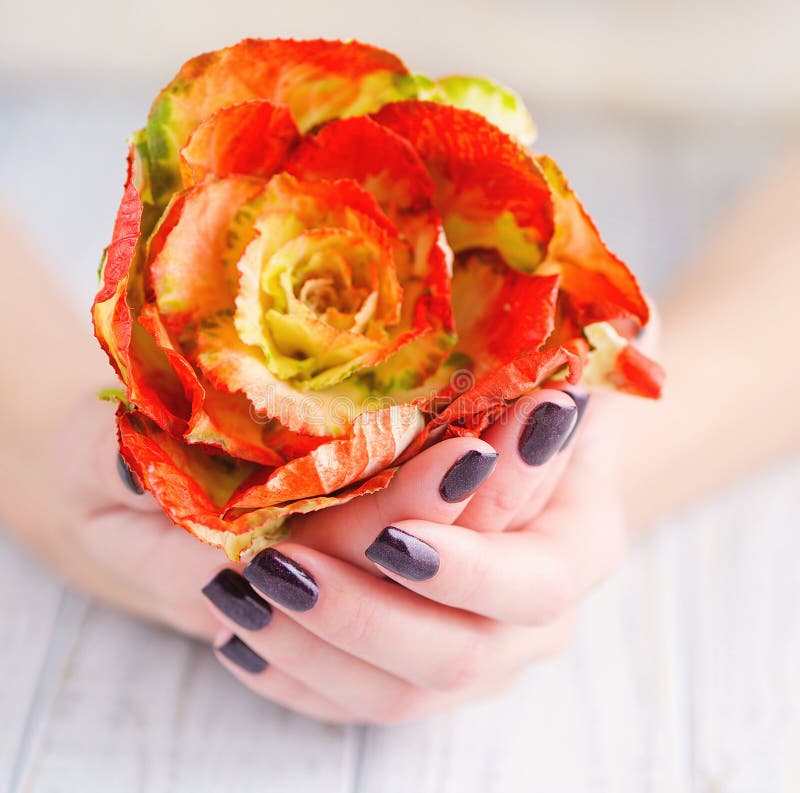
[{"x": 658, "y": 112}]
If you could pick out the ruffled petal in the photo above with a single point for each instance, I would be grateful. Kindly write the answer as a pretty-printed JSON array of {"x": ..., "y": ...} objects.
[
  {"x": 193, "y": 266},
  {"x": 110, "y": 313},
  {"x": 191, "y": 487},
  {"x": 501, "y": 314},
  {"x": 186, "y": 480},
  {"x": 235, "y": 367},
  {"x": 388, "y": 166},
  {"x": 599, "y": 285},
  {"x": 499, "y": 104},
  {"x": 317, "y": 81},
  {"x": 378, "y": 438},
  {"x": 472, "y": 412},
  {"x": 217, "y": 419},
  {"x": 489, "y": 191},
  {"x": 615, "y": 363},
  {"x": 381, "y": 161},
  {"x": 251, "y": 138}
]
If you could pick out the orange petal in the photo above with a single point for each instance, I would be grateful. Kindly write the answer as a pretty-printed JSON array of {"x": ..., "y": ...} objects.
[
  {"x": 378, "y": 159},
  {"x": 110, "y": 313},
  {"x": 249, "y": 138},
  {"x": 378, "y": 438},
  {"x": 217, "y": 419},
  {"x": 317, "y": 81},
  {"x": 193, "y": 270},
  {"x": 489, "y": 191},
  {"x": 472, "y": 412},
  {"x": 501, "y": 313},
  {"x": 637, "y": 374},
  {"x": 599, "y": 286},
  {"x": 189, "y": 486}
]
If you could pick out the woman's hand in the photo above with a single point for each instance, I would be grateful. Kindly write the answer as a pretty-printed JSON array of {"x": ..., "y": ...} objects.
[{"x": 492, "y": 542}]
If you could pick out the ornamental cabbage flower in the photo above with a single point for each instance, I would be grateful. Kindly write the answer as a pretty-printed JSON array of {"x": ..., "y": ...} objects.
[{"x": 322, "y": 263}]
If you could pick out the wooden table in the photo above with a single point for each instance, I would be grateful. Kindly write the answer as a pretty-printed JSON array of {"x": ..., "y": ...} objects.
[{"x": 684, "y": 675}]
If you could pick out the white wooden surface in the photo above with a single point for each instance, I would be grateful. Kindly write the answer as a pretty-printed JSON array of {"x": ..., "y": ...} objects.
[{"x": 684, "y": 675}]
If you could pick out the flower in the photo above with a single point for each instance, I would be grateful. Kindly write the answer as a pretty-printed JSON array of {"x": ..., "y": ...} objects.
[{"x": 322, "y": 263}]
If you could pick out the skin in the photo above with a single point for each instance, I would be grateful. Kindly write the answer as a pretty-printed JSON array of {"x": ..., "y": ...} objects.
[{"x": 516, "y": 557}]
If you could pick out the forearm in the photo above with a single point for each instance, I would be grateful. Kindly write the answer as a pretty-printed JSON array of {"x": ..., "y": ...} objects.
[
  {"x": 728, "y": 347},
  {"x": 48, "y": 361}
]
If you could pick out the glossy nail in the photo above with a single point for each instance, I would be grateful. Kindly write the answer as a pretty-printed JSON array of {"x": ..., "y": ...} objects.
[
  {"x": 239, "y": 653},
  {"x": 404, "y": 554},
  {"x": 581, "y": 400},
  {"x": 236, "y": 599},
  {"x": 282, "y": 580},
  {"x": 545, "y": 432},
  {"x": 466, "y": 475},
  {"x": 128, "y": 477}
]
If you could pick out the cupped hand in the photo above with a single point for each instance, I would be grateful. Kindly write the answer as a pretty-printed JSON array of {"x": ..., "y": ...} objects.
[{"x": 439, "y": 589}]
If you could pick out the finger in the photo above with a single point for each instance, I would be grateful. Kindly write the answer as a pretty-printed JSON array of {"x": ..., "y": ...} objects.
[
  {"x": 369, "y": 617},
  {"x": 367, "y": 691},
  {"x": 529, "y": 575},
  {"x": 521, "y": 578},
  {"x": 584, "y": 519},
  {"x": 529, "y": 439},
  {"x": 89, "y": 444},
  {"x": 435, "y": 484},
  {"x": 363, "y": 689},
  {"x": 268, "y": 681},
  {"x": 596, "y": 414},
  {"x": 149, "y": 565}
]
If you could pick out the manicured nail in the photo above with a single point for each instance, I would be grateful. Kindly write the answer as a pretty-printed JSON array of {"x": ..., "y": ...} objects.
[
  {"x": 282, "y": 580},
  {"x": 236, "y": 599},
  {"x": 129, "y": 479},
  {"x": 238, "y": 652},
  {"x": 404, "y": 554},
  {"x": 581, "y": 400},
  {"x": 466, "y": 475},
  {"x": 545, "y": 432}
]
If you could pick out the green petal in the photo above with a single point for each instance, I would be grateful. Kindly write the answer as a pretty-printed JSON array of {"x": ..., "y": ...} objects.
[{"x": 498, "y": 104}]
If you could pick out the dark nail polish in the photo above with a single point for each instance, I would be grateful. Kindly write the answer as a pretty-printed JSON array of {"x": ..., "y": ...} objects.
[
  {"x": 129, "y": 479},
  {"x": 237, "y": 651},
  {"x": 545, "y": 432},
  {"x": 235, "y": 598},
  {"x": 404, "y": 554},
  {"x": 282, "y": 580},
  {"x": 581, "y": 400},
  {"x": 466, "y": 475}
]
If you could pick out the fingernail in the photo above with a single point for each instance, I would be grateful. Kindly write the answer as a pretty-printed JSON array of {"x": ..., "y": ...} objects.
[
  {"x": 129, "y": 479},
  {"x": 239, "y": 653},
  {"x": 404, "y": 554},
  {"x": 466, "y": 475},
  {"x": 581, "y": 400},
  {"x": 282, "y": 580},
  {"x": 545, "y": 432},
  {"x": 235, "y": 598}
]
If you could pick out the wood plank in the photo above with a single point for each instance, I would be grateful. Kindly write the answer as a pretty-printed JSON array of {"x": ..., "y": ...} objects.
[
  {"x": 30, "y": 600},
  {"x": 153, "y": 711},
  {"x": 745, "y": 637}
]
